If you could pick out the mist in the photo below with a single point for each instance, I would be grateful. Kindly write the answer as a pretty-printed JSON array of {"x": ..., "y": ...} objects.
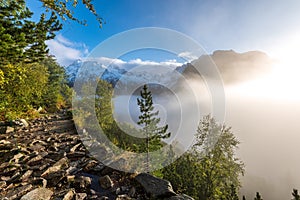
[{"x": 267, "y": 128}]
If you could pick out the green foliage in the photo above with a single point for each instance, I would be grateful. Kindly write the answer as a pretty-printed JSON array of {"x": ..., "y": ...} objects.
[
  {"x": 104, "y": 109},
  {"x": 57, "y": 94},
  {"x": 25, "y": 87},
  {"x": 149, "y": 120},
  {"x": 29, "y": 78},
  {"x": 233, "y": 193},
  {"x": 295, "y": 194},
  {"x": 150, "y": 123},
  {"x": 116, "y": 132},
  {"x": 63, "y": 9},
  {"x": 22, "y": 40},
  {"x": 210, "y": 170},
  {"x": 258, "y": 197}
]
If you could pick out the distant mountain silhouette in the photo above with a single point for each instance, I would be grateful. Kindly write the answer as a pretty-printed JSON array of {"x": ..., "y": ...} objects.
[{"x": 233, "y": 66}]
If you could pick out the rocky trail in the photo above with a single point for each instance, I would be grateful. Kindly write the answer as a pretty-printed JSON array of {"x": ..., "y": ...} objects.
[{"x": 45, "y": 159}]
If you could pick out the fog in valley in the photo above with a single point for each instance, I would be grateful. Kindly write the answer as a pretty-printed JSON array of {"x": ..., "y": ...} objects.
[{"x": 262, "y": 109}]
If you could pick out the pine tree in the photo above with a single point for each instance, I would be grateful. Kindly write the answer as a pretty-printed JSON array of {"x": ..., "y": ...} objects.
[
  {"x": 22, "y": 40},
  {"x": 295, "y": 195},
  {"x": 258, "y": 197},
  {"x": 150, "y": 122}
]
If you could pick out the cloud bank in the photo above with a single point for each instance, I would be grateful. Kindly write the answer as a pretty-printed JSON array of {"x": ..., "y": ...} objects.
[{"x": 66, "y": 51}]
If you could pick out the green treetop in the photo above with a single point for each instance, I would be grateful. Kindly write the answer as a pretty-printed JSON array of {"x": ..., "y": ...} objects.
[{"x": 150, "y": 122}]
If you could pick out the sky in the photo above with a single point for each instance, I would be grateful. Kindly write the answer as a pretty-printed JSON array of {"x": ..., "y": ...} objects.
[
  {"x": 265, "y": 25},
  {"x": 264, "y": 113}
]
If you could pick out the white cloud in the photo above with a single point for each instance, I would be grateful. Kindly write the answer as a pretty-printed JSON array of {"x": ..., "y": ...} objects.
[
  {"x": 66, "y": 51},
  {"x": 187, "y": 56},
  {"x": 134, "y": 63}
]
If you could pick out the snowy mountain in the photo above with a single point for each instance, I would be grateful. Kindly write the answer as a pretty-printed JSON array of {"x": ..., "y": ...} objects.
[
  {"x": 233, "y": 67},
  {"x": 118, "y": 74}
]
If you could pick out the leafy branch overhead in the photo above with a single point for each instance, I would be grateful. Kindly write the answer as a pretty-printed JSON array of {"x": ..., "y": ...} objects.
[{"x": 63, "y": 9}]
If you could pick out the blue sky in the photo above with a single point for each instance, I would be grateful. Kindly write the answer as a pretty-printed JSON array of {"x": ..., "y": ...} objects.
[{"x": 219, "y": 24}]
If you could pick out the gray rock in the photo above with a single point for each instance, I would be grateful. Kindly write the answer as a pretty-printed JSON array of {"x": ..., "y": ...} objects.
[
  {"x": 39, "y": 193},
  {"x": 105, "y": 182},
  {"x": 61, "y": 164},
  {"x": 154, "y": 186}
]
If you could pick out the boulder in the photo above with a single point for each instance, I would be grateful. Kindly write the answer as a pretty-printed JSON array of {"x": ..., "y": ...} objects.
[
  {"x": 155, "y": 187},
  {"x": 38, "y": 193}
]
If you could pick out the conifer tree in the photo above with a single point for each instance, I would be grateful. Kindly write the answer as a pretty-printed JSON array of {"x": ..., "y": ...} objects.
[
  {"x": 258, "y": 197},
  {"x": 295, "y": 195},
  {"x": 150, "y": 122},
  {"x": 22, "y": 40}
]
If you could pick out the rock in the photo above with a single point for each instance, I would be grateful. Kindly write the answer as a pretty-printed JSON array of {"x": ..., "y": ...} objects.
[
  {"x": 69, "y": 195},
  {"x": 35, "y": 160},
  {"x": 26, "y": 175},
  {"x": 16, "y": 158},
  {"x": 118, "y": 191},
  {"x": 132, "y": 191},
  {"x": 14, "y": 178},
  {"x": 5, "y": 142},
  {"x": 180, "y": 197},
  {"x": 39, "y": 193},
  {"x": 123, "y": 197},
  {"x": 62, "y": 163},
  {"x": 81, "y": 196},
  {"x": 24, "y": 122},
  {"x": 71, "y": 178},
  {"x": 2, "y": 184},
  {"x": 15, "y": 193},
  {"x": 91, "y": 164},
  {"x": 154, "y": 186},
  {"x": 54, "y": 178},
  {"x": 74, "y": 148},
  {"x": 105, "y": 182},
  {"x": 9, "y": 129},
  {"x": 40, "y": 182},
  {"x": 83, "y": 182}
]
